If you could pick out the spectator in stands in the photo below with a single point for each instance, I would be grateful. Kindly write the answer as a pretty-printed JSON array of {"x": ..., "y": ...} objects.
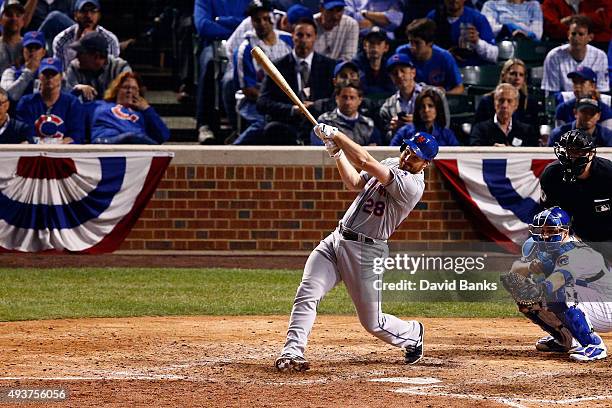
[
  {"x": 312, "y": 5},
  {"x": 465, "y": 32},
  {"x": 610, "y": 62},
  {"x": 347, "y": 72},
  {"x": 513, "y": 72},
  {"x": 502, "y": 130},
  {"x": 584, "y": 80},
  {"x": 398, "y": 109},
  {"x": 228, "y": 85},
  {"x": 11, "y": 18},
  {"x": 11, "y": 130},
  {"x": 53, "y": 116},
  {"x": 429, "y": 117},
  {"x": 337, "y": 33},
  {"x": 22, "y": 80},
  {"x": 514, "y": 18},
  {"x": 87, "y": 15},
  {"x": 375, "y": 81},
  {"x": 346, "y": 117},
  {"x": 52, "y": 17},
  {"x": 564, "y": 59},
  {"x": 434, "y": 66},
  {"x": 587, "y": 115},
  {"x": 386, "y": 14},
  {"x": 125, "y": 116},
  {"x": 248, "y": 74},
  {"x": 558, "y": 16},
  {"x": 310, "y": 76},
  {"x": 94, "y": 69},
  {"x": 214, "y": 21}
]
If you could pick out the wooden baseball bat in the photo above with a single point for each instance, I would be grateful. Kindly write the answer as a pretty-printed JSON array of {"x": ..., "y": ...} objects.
[{"x": 277, "y": 77}]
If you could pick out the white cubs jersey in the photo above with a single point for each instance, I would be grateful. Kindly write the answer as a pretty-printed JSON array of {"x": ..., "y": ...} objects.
[
  {"x": 587, "y": 267},
  {"x": 379, "y": 209}
]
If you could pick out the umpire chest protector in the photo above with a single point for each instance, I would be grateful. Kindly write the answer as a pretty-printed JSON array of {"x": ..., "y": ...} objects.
[{"x": 588, "y": 201}]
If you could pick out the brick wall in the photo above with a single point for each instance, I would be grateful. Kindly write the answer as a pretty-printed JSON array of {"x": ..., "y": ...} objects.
[{"x": 287, "y": 208}]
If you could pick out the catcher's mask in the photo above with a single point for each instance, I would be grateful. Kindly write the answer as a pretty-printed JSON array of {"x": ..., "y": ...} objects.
[
  {"x": 574, "y": 150},
  {"x": 549, "y": 226}
]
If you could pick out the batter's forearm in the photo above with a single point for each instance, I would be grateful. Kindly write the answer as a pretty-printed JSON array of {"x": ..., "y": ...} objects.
[
  {"x": 355, "y": 153},
  {"x": 350, "y": 176}
]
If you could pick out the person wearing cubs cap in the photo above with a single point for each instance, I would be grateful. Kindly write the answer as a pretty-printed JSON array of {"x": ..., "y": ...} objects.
[
  {"x": 338, "y": 33},
  {"x": 23, "y": 79},
  {"x": 584, "y": 81},
  {"x": 54, "y": 116},
  {"x": 388, "y": 191},
  {"x": 588, "y": 114},
  {"x": 87, "y": 14}
]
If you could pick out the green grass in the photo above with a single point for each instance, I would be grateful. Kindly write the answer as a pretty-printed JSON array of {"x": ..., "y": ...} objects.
[{"x": 28, "y": 294}]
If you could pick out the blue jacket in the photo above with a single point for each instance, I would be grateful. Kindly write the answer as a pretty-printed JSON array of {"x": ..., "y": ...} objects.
[
  {"x": 444, "y": 136},
  {"x": 217, "y": 19},
  {"x": 602, "y": 135},
  {"x": 64, "y": 119},
  {"x": 16, "y": 132},
  {"x": 114, "y": 124}
]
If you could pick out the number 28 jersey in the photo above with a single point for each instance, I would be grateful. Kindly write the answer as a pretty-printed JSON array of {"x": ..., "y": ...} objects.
[{"x": 379, "y": 209}]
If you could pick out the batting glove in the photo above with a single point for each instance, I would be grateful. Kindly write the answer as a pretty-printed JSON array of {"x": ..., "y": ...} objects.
[
  {"x": 333, "y": 149},
  {"x": 325, "y": 132}
]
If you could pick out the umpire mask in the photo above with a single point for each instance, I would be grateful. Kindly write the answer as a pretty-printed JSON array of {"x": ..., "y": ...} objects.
[{"x": 574, "y": 150}]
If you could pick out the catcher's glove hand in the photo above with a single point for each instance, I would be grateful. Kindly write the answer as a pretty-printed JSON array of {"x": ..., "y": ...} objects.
[
  {"x": 523, "y": 289},
  {"x": 325, "y": 132}
]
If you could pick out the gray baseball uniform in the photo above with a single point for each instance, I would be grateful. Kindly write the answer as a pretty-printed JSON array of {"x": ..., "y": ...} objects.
[{"x": 347, "y": 255}]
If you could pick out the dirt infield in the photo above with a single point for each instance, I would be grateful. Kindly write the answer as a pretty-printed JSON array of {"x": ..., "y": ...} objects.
[{"x": 219, "y": 362}]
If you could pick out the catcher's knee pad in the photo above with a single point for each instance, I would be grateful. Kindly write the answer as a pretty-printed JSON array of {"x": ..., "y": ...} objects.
[
  {"x": 550, "y": 323},
  {"x": 577, "y": 322}
]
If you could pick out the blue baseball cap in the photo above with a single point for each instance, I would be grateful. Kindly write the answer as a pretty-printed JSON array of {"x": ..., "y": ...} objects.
[
  {"x": 330, "y": 4},
  {"x": 341, "y": 65},
  {"x": 297, "y": 12},
  {"x": 33, "y": 37},
  {"x": 53, "y": 64},
  {"x": 585, "y": 73},
  {"x": 399, "y": 59},
  {"x": 422, "y": 144},
  {"x": 81, "y": 3}
]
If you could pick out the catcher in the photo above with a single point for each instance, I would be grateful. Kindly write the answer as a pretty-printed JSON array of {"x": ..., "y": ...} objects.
[{"x": 564, "y": 286}]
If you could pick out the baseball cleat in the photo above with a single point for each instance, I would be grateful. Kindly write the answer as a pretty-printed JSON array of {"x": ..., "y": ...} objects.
[
  {"x": 415, "y": 353},
  {"x": 549, "y": 344},
  {"x": 288, "y": 363},
  {"x": 589, "y": 353}
]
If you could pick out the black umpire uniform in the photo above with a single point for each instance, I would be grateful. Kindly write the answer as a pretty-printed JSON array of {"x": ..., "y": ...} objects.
[{"x": 587, "y": 200}]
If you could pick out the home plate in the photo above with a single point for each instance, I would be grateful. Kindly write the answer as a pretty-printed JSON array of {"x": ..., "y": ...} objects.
[{"x": 409, "y": 380}]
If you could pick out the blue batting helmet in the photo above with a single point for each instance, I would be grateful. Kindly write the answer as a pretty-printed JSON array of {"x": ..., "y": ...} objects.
[{"x": 422, "y": 144}]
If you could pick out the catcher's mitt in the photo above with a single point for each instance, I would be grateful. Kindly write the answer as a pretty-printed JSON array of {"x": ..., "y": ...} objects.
[{"x": 523, "y": 289}]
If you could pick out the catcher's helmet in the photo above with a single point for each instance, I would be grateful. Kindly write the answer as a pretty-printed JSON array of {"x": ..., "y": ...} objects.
[
  {"x": 422, "y": 144},
  {"x": 573, "y": 151},
  {"x": 549, "y": 225}
]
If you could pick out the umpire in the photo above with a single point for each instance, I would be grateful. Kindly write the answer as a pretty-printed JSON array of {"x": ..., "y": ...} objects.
[{"x": 581, "y": 184}]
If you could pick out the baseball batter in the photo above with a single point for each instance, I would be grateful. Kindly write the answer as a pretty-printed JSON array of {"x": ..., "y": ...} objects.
[
  {"x": 389, "y": 191},
  {"x": 574, "y": 284}
]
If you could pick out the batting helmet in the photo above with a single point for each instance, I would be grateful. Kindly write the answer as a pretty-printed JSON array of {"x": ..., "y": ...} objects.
[{"x": 422, "y": 144}]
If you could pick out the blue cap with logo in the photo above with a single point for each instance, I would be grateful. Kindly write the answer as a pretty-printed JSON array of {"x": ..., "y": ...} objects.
[
  {"x": 297, "y": 12},
  {"x": 330, "y": 4},
  {"x": 399, "y": 59},
  {"x": 33, "y": 37},
  {"x": 341, "y": 65},
  {"x": 53, "y": 64},
  {"x": 422, "y": 144},
  {"x": 585, "y": 73}
]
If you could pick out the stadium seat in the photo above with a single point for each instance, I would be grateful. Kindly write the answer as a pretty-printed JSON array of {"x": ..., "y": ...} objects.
[
  {"x": 506, "y": 50},
  {"x": 480, "y": 79},
  {"x": 535, "y": 76},
  {"x": 532, "y": 53}
]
